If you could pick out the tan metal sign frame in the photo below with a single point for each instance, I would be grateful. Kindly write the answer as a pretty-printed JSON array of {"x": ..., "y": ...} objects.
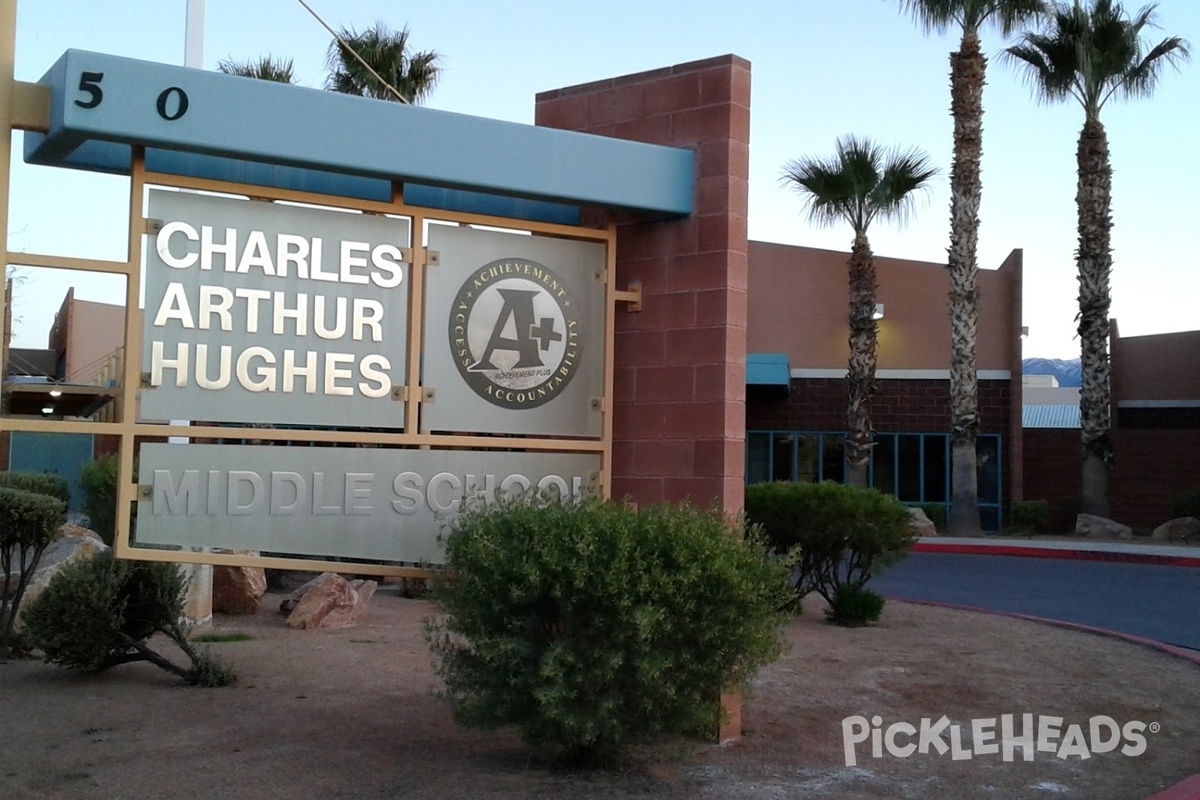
[{"x": 128, "y": 429}]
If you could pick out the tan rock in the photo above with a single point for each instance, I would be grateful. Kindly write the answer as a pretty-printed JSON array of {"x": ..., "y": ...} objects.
[
  {"x": 1183, "y": 528},
  {"x": 922, "y": 525},
  {"x": 1096, "y": 527},
  {"x": 365, "y": 591},
  {"x": 238, "y": 590},
  {"x": 327, "y": 602},
  {"x": 55, "y": 558},
  {"x": 69, "y": 531}
]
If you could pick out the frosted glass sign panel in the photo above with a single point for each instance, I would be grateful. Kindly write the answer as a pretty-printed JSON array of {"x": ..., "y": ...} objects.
[
  {"x": 262, "y": 312},
  {"x": 514, "y": 334},
  {"x": 350, "y": 502}
]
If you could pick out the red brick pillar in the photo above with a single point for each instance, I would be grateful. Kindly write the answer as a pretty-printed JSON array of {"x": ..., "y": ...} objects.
[
  {"x": 679, "y": 428},
  {"x": 679, "y": 424}
]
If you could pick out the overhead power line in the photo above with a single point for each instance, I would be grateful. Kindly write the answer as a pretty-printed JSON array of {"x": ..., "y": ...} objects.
[{"x": 342, "y": 42}]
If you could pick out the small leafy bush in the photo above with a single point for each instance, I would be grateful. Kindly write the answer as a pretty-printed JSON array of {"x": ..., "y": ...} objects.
[
  {"x": 854, "y": 606},
  {"x": 99, "y": 480},
  {"x": 842, "y": 534},
  {"x": 593, "y": 626},
  {"x": 936, "y": 513},
  {"x": 1186, "y": 504},
  {"x": 28, "y": 522},
  {"x": 99, "y": 612},
  {"x": 1032, "y": 516},
  {"x": 49, "y": 483}
]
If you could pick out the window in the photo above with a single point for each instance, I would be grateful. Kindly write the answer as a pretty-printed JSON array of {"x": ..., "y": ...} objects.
[
  {"x": 915, "y": 467},
  {"x": 794, "y": 456}
]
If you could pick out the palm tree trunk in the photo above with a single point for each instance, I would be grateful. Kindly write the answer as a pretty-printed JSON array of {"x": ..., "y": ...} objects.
[
  {"x": 967, "y": 72},
  {"x": 1095, "y": 267},
  {"x": 860, "y": 376}
]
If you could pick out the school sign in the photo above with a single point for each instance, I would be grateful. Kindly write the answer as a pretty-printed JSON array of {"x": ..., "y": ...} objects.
[{"x": 347, "y": 345}]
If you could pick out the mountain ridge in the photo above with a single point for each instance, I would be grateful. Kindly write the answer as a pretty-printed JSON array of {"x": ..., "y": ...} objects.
[{"x": 1067, "y": 371}]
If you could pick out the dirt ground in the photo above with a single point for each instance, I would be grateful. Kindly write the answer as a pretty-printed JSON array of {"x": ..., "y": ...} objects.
[{"x": 351, "y": 714}]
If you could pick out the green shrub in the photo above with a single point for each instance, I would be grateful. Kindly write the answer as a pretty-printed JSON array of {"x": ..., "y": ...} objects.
[
  {"x": 936, "y": 513},
  {"x": 1032, "y": 516},
  {"x": 854, "y": 606},
  {"x": 843, "y": 534},
  {"x": 97, "y": 613},
  {"x": 49, "y": 483},
  {"x": 28, "y": 521},
  {"x": 1186, "y": 504},
  {"x": 99, "y": 480},
  {"x": 593, "y": 626}
]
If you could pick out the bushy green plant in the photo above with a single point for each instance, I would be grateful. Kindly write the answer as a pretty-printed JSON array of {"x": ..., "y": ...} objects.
[
  {"x": 50, "y": 483},
  {"x": 99, "y": 612},
  {"x": 936, "y": 513},
  {"x": 1186, "y": 504},
  {"x": 1030, "y": 516},
  {"x": 28, "y": 522},
  {"x": 854, "y": 606},
  {"x": 593, "y": 626},
  {"x": 99, "y": 480},
  {"x": 843, "y": 534}
]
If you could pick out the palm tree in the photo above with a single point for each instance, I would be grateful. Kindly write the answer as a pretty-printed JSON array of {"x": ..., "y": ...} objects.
[
  {"x": 265, "y": 69},
  {"x": 862, "y": 181},
  {"x": 384, "y": 69},
  {"x": 1093, "y": 54},
  {"x": 968, "y": 70}
]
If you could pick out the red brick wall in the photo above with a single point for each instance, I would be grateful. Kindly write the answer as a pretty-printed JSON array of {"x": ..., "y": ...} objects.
[
  {"x": 679, "y": 412},
  {"x": 1052, "y": 473},
  {"x": 1152, "y": 467},
  {"x": 901, "y": 406}
]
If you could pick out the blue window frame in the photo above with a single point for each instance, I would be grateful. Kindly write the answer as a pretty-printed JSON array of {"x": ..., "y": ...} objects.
[{"x": 914, "y": 467}]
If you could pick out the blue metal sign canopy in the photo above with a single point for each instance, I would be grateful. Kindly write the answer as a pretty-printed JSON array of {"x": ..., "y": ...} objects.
[{"x": 223, "y": 127}]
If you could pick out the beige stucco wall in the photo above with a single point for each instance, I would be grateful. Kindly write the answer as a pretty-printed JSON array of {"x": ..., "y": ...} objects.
[
  {"x": 798, "y": 301},
  {"x": 94, "y": 331}
]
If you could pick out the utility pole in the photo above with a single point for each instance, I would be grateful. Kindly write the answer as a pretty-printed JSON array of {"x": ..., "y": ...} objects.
[
  {"x": 193, "y": 42},
  {"x": 8, "y": 56}
]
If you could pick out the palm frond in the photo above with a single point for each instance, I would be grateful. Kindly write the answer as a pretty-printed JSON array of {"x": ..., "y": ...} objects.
[
  {"x": 860, "y": 182},
  {"x": 1047, "y": 65},
  {"x": 266, "y": 68},
  {"x": 1094, "y": 52},
  {"x": 825, "y": 189},
  {"x": 413, "y": 75},
  {"x": 907, "y": 175},
  {"x": 942, "y": 15}
]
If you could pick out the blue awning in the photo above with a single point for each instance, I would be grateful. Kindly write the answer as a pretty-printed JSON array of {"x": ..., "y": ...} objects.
[{"x": 767, "y": 369}]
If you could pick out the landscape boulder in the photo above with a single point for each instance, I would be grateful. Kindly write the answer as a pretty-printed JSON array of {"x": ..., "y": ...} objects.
[
  {"x": 327, "y": 602},
  {"x": 237, "y": 590},
  {"x": 1186, "y": 529},
  {"x": 921, "y": 524},
  {"x": 1096, "y": 527},
  {"x": 70, "y": 544}
]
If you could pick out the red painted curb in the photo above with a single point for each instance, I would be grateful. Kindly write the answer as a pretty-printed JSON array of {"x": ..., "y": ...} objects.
[
  {"x": 1049, "y": 552},
  {"x": 1188, "y": 788}
]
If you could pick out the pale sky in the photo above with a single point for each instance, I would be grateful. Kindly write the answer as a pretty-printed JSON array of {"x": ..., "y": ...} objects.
[{"x": 821, "y": 68}]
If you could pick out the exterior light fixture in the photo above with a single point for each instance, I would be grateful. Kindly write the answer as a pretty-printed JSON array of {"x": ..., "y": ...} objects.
[
  {"x": 878, "y": 311},
  {"x": 47, "y": 409},
  {"x": 55, "y": 393},
  {"x": 1024, "y": 331}
]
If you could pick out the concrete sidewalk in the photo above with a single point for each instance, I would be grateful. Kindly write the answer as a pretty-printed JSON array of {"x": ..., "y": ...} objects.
[{"x": 1124, "y": 551}]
